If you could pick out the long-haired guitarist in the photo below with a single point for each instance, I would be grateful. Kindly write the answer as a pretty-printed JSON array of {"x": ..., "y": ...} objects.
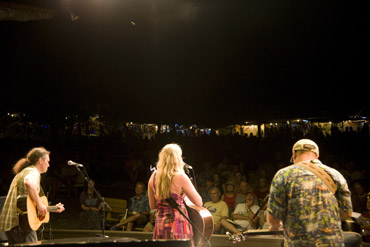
[
  {"x": 170, "y": 181},
  {"x": 25, "y": 183}
]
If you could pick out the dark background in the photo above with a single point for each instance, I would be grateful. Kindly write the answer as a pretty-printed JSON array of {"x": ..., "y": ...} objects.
[{"x": 211, "y": 62}]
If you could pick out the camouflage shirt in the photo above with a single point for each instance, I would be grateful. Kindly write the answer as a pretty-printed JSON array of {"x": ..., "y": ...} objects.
[{"x": 308, "y": 209}]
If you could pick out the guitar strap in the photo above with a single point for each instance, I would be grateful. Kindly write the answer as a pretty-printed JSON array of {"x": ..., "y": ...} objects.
[
  {"x": 19, "y": 211},
  {"x": 41, "y": 193},
  {"x": 319, "y": 172}
]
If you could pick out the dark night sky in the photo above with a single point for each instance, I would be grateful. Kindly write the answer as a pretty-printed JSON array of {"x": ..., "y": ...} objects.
[{"x": 183, "y": 60}]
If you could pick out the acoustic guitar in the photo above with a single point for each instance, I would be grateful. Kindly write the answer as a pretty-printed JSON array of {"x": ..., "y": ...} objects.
[
  {"x": 28, "y": 216},
  {"x": 203, "y": 221}
]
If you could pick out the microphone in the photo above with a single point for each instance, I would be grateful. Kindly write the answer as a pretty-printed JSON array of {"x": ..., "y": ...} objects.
[
  {"x": 187, "y": 166},
  {"x": 152, "y": 168},
  {"x": 71, "y": 163}
]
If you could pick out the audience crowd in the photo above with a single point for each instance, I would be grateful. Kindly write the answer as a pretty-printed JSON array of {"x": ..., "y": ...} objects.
[{"x": 232, "y": 172}]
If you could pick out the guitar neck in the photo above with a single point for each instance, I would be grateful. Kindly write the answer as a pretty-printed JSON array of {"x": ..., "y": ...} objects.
[
  {"x": 262, "y": 232},
  {"x": 52, "y": 208}
]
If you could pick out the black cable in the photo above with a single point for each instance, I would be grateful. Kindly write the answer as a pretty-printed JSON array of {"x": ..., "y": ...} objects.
[
  {"x": 174, "y": 205},
  {"x": 259, "y": 210}
]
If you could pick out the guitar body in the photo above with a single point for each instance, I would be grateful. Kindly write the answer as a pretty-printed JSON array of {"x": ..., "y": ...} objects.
[
  {"x": 29, "y": 220},
  {"x": 202, "y": 219}
]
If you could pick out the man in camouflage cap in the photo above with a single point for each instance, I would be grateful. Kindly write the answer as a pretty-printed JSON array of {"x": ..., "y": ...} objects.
[{"x": 311, "y": 214}]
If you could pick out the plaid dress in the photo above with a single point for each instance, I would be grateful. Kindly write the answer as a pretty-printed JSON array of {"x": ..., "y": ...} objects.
[{"x": 169, "y": 223}]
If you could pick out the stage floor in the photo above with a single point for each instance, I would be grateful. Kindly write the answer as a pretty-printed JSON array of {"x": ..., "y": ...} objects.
[
  {"x": 217, "y": 240},
  {"x": 107, "y": 242},
  {"x": 119, "y": 238}
]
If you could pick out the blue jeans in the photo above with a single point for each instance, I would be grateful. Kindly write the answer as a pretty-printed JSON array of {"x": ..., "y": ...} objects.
[{"x": 16, "y": 236}]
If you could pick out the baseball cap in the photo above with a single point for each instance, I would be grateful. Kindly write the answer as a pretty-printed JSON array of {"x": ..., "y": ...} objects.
[{"x": 305, "y": 145}]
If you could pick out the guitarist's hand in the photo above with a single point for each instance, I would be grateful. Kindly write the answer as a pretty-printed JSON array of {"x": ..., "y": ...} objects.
[
  {"x": 41, "y": 209},
  {"x": 60, "y": 208}
]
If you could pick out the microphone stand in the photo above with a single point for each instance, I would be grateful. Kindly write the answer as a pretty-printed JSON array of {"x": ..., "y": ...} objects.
[
  {"x": 259, "y": 210},
  {"x": 101, "y": 199},
  {"x": 191, "y": 177},
  {"x": 43, "y": 226},
  {"x": 50, "y": 230}
]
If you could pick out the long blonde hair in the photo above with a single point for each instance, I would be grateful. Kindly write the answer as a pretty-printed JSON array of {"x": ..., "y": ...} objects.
[{"x": 169, "y": 162}]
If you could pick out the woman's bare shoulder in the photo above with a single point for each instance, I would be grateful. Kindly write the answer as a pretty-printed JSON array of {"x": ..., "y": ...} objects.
[
  {"x": 179, "y": 175},
  {"x": 150, "y": 182}
]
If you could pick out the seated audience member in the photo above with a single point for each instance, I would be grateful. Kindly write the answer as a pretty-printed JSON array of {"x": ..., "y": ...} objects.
[
  {"x": 230, "y": 196},
  {"x": 150, "y": 225},
  {"x": 237, "y": 179},
  {"x": 138, "y": 209},
  {"x": 262, "y": 190},
  {"x": 134, "y": 168},
  {"x": 262, "y": 215},
  {"x": 91, "y": 214},
  {"x": 244, "y": 188},
  {"x": 358, "y": 197},
  {"x": 204, "y": 192},
  {"x": 217, "y": 182},
  {"x": 242, "y": 216},
  {"x": 206, "y": 172},
  {"x": 217, "y": 208},
  {"x": 244, "y": 212},
  {"x": 366, "y": 226}
]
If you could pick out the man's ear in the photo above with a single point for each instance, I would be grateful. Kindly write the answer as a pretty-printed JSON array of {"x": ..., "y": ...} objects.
[{"x": 294, "y": 157}]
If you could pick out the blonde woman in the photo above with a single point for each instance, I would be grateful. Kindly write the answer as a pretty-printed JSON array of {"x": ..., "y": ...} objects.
[{"x": 170, "y": 181}]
